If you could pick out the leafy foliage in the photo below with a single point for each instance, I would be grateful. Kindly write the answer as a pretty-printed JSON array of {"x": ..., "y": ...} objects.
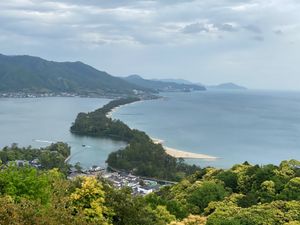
[
  {"x": 98, "y": 124},
  {"x": 31, "y": 196},
  {"x": 134, "y": 210},
  {"x": 89, "y": 198},
  {"x": 25, "y": 182},
  {"x": 191, "y": 220},
  {"x": 50, "y": 157},
  {"x": 244, "y": 194}
]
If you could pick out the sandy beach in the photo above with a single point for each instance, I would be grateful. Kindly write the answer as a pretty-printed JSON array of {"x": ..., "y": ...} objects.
[
  {"x": 157, "y": 141},
  {"x": 188, "y": 155},
  {"x": 183, "y": 154},
  {"x": 111, "y": 112}
]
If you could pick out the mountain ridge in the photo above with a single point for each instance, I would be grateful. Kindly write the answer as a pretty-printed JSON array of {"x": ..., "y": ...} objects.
[
  {"x": 162, "y": 86},
  {"x": 175, "y": 80},
  {"x": 24, "y": 73}
]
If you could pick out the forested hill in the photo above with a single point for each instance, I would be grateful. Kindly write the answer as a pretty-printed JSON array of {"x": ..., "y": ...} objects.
[
  {"x": 33, "y": 74},
  {"x": 163, "y": 85},
  {"x": 141, "y": 156},
  {"x": 243, "y": 195}
]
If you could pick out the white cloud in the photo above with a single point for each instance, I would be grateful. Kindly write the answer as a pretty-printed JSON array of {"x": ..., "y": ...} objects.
[
  {"x": 159, "y": 36},
  {"x": 134, "y": 18}
]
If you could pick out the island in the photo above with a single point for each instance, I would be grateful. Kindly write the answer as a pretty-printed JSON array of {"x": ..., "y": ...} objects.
[{"x": 227, "y": 86}]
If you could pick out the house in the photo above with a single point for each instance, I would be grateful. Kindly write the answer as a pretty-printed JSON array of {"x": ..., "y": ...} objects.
[
  {"x": 21, "y": 163},
  {"x": 145, "y": 190}
]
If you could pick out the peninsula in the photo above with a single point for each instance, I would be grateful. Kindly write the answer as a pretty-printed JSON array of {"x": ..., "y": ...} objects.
[{"x": 142, "y": 156}]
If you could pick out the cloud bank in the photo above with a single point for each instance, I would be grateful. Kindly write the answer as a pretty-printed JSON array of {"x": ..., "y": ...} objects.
[{"x": 247, "y": 41}]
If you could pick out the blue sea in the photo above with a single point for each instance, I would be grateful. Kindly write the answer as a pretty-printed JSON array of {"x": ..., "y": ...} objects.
[
  {"x": 41, "y": 121},
  {"x": 260, "y": 127}
]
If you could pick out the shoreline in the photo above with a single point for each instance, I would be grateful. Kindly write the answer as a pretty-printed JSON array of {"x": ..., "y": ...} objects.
[
  {"x": 177, "y": 153},
  {"x": 110, "y": 113}
]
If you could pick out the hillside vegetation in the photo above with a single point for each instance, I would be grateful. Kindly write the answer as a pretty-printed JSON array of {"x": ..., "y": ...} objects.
[
  {"x": 53, "y": 156},
  {"x": 243, "y": 195},
  {"x": 33, "y": 74},
  {"x": 163, "y": 86}
]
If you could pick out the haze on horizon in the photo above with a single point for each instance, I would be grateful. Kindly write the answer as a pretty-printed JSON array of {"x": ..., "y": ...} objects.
[{"x": 250, "y": 42}]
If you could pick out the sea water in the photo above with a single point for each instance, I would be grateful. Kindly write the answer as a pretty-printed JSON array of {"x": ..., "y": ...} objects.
[
  {"x": 260, "y": 127},
  {"x": 41, "y": 121}
]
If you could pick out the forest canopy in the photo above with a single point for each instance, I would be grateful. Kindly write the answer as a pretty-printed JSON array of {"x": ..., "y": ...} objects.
[{"x": 245, "y": 194}]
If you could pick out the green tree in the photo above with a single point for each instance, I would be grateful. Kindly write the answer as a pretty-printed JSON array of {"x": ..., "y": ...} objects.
[
  {"x": 204, "y": 193},
  {"x": 90, "y": 199},
  {"x": 291, "y": 190},
  {"x": 267, "y": 192},
  {"x": 191, "y": 220},
  {"x": 229, "y": 178},
  {"x": 25, "y": 182}
]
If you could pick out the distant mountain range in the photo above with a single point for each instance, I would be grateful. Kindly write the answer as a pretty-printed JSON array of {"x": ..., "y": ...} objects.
[
  {"x": 28, "y": 74},
  {"x": 33, "y": 74},
  {"x": 223, "y": 86},
  {"x": 227, "y": 86},
  {"x": 163, "y": 85},
  {"x": 178, "y": 81}
]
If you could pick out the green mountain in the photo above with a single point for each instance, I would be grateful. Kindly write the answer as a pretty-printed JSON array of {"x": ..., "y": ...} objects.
[
  {"x": 33, "y": 74},
  {"x": 162, "y": 85}
]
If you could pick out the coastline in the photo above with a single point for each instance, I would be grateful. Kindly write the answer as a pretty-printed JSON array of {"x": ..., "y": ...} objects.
[
  {"x": 110, "y": 113},
  {"x": 177, "y": 153},
  {"x": 188, "y": 155}
]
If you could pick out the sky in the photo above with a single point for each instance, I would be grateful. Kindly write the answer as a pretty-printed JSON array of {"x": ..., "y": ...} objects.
[{"x": 255, "y": 43}]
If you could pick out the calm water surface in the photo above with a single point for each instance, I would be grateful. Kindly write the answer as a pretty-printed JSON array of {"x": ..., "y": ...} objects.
[
  {"x": 260, "y": 127},
  {"x": 40, "y": 121},
  {"x": 257, "y": 126}
]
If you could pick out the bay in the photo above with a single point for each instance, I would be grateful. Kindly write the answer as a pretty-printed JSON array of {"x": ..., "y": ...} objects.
[
  {"x": 40, "y": 121},
  {"x": 260, "y": 127}
]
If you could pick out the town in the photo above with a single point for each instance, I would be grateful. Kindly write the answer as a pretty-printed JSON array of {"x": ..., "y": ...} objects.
[
  {"x": 35, "y": 95},
  {"x": 119, "y": 179}
]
